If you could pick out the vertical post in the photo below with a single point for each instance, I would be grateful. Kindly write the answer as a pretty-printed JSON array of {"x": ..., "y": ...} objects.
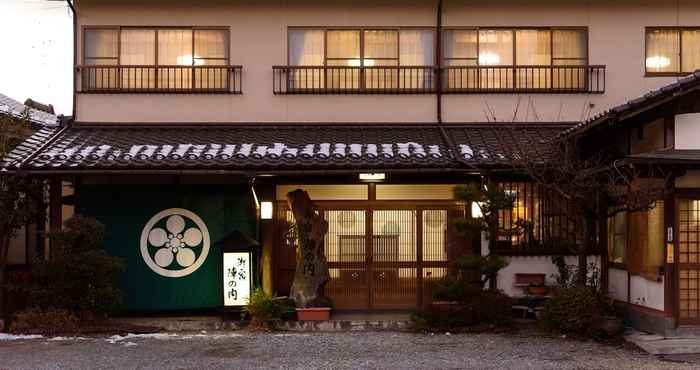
[
  {"x": 438, "y": 60},
  {"x": 266, "y": 237},
  {"x": 55, "y": 212}
]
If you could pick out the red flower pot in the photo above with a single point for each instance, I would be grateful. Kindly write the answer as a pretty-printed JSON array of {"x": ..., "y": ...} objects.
[{"x": 314, "y": 314}]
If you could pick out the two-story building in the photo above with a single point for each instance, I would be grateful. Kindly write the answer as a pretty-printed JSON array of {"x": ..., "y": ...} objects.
[{"x": 194, "y": 119}]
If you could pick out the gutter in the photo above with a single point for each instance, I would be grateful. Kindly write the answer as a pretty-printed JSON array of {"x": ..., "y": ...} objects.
[{"x": 75, "y": 53}]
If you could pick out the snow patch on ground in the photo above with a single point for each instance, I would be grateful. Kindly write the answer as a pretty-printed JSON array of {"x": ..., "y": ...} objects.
[
  {"x": 8, "y": 337},
  {"x": 59, "y": 339},
  {"x": 168, "y": 336}
]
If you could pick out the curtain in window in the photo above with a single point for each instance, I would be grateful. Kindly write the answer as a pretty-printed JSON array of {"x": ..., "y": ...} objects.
[
  {"x": 101, "y": 44},
  {"x": 617, "y": 237},
  {"x": 496, "y": 49},
  {"x": 533, "y": 48},
  {"x": 663, "y": 51},
  {"x": 343, "y": 49},
  {"x": 306, "y": 49},
  {"x": 101, "y": 48},
  {"x": 645, "y": 250},
  {"x": 174, "y": 50},
  {"x": 138, "y": 49},
  {"x": 381, "y": 49},
  {"x": 569, "y": 49},
  {"x": 691, "y": 50},
  {"x": 210, "y": 50},
  {"x": 460, "y": 49},
  {"x": 417, "y": 49}
]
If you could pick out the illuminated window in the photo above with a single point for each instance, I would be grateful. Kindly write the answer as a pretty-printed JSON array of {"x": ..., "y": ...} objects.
[
  {"x": 155, "y": 57},
  {"x": 672, "y": 50},
  {"x": 359, "y": 48}
]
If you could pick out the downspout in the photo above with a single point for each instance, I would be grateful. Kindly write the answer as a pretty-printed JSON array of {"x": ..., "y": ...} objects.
[
  {"x": 75, "y": 52},
  {"x": 438, "y": 51}
]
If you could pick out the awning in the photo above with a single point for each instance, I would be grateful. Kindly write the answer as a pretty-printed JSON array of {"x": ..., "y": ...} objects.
[{"x": 272, "y": 148}]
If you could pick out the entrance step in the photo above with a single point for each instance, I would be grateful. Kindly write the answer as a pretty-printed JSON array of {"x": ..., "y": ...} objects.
[
  {"x": 659, "y": 345},
  {"x": 338, "y": 322}
]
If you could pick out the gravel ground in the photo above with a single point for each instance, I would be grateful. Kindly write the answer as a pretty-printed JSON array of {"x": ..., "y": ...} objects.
[{"x": 245, "y": 350}]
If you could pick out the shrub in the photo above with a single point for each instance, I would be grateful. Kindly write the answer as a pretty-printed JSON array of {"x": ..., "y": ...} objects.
[
  {"x": 486, "y": 266},
  {"x": 83, "y": 278},
  {"x": 265, "y": 310},
  {"x": 470, "y": 306},
  {"x": 42, "y": 320},
  {"x": 571, "y": 310}
]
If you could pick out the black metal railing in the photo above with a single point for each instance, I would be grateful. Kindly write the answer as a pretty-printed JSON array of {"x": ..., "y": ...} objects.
[
  {"x": 524, "y": 79},
  {"x": 160, "y": 79},
  {"x": 354, "y": 80}
]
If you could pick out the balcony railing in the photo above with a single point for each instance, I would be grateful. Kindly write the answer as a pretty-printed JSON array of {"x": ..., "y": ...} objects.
[
  {"x": 354, "y": 80},
  {"x": 160, "y": 79},
  {"x": 569, "y": 79}
]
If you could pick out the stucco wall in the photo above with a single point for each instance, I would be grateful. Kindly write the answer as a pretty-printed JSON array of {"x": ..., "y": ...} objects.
[
  {"x": 617, "y": 284},
  {"x": 258, "y": 41}
]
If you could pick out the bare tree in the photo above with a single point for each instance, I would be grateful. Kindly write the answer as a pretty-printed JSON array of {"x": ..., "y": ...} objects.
[{"x": 595, "y": 186}]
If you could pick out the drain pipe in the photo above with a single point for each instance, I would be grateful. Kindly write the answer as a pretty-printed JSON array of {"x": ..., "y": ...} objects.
[
  {"x": 75, "y": 52},
  {"x": 438, "y": 48}
]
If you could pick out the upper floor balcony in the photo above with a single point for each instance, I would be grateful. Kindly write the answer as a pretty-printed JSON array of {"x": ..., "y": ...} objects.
[
  {"x": 474, "y": 61},
  {"x": 157, "y": 60}
]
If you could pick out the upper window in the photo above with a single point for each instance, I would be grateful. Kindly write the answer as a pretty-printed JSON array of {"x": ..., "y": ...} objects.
[
  {"x": 672, "y": 51},
  {"x": 518, "y": 59},
  {"x": 508, "y": 47},
  {"x": 156, "y": 58},
  {"x": 360, "y": 59}
]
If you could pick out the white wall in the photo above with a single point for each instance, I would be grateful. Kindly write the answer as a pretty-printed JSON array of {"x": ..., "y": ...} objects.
[
  {"x": 529, "y": 265},
  {"x": 617, "y": 284},
  {"x": 687, "y": 131},
  {"x": 532, "y": 265},
  {"x": 647, "y": 293}
]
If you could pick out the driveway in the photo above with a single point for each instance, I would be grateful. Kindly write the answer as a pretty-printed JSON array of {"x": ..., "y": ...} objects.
[{"x": 380, "y": 350}]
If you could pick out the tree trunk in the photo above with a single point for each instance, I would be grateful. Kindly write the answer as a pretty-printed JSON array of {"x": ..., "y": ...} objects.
[
  {"x": 311, "y": 272},
  {"x": 582, "y": 273},
  {"x": 4, "y": 250}
]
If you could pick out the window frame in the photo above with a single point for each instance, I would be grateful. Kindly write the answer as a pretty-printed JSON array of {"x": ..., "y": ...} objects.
[
  {"x": 442, "y": 58},
  {"x": 361, "y": 30},
  {"x": 193, "y": 29},
  {"x": 679, "y": 30}
]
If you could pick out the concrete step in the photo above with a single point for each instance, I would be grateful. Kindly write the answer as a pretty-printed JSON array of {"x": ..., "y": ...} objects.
[{"x": 659, "y": 345}]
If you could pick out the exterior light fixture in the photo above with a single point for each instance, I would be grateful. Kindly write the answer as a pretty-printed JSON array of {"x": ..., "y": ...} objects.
[
  {"x": 266, "y": 210},
  {"x": 476, "y": 210},
  {"x": 372, "y": 176}
]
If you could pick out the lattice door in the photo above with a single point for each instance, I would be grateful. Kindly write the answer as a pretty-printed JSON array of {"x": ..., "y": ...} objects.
[{"x": 689, "y": 261}]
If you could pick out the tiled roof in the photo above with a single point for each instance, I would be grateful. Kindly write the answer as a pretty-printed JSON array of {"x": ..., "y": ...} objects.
[
  {"x": 28, "y": 147},
  {"x": 266, "y": 147},
  {"x": 15, "y": 108},
  {"x": 670, "y": 91}
]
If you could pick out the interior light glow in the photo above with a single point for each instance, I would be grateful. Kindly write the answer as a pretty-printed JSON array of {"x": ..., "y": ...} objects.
[
  {"x": 476, "y": 210},
  {"x": 658, "y": 62},
  {"x": 489, "y": 59},
  {"x": 266, "y": 210},
  {"x": 186, "y": 60}
]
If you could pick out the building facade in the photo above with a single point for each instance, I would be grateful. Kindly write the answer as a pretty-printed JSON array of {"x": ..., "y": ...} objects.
[{"x": 192, "y": 120}]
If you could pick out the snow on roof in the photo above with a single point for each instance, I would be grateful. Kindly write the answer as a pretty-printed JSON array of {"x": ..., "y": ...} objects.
[{"x": 17, "y": 109}]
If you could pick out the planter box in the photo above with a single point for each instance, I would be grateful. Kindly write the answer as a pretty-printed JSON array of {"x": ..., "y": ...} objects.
[{"x": 314, "y": 314}]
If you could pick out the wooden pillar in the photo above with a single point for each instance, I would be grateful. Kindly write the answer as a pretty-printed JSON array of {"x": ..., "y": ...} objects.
[
  {"x": 55, "y": 212},
  {"x": 670, "y": 270},
  {"x": 266, "y": 233}
]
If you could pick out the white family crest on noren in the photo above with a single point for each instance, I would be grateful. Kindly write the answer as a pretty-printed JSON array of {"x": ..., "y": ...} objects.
[{"x": 170, "y": 242}]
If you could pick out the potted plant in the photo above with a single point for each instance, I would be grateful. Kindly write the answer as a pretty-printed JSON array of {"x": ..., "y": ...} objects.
[{"x": 537, "y": 289}]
